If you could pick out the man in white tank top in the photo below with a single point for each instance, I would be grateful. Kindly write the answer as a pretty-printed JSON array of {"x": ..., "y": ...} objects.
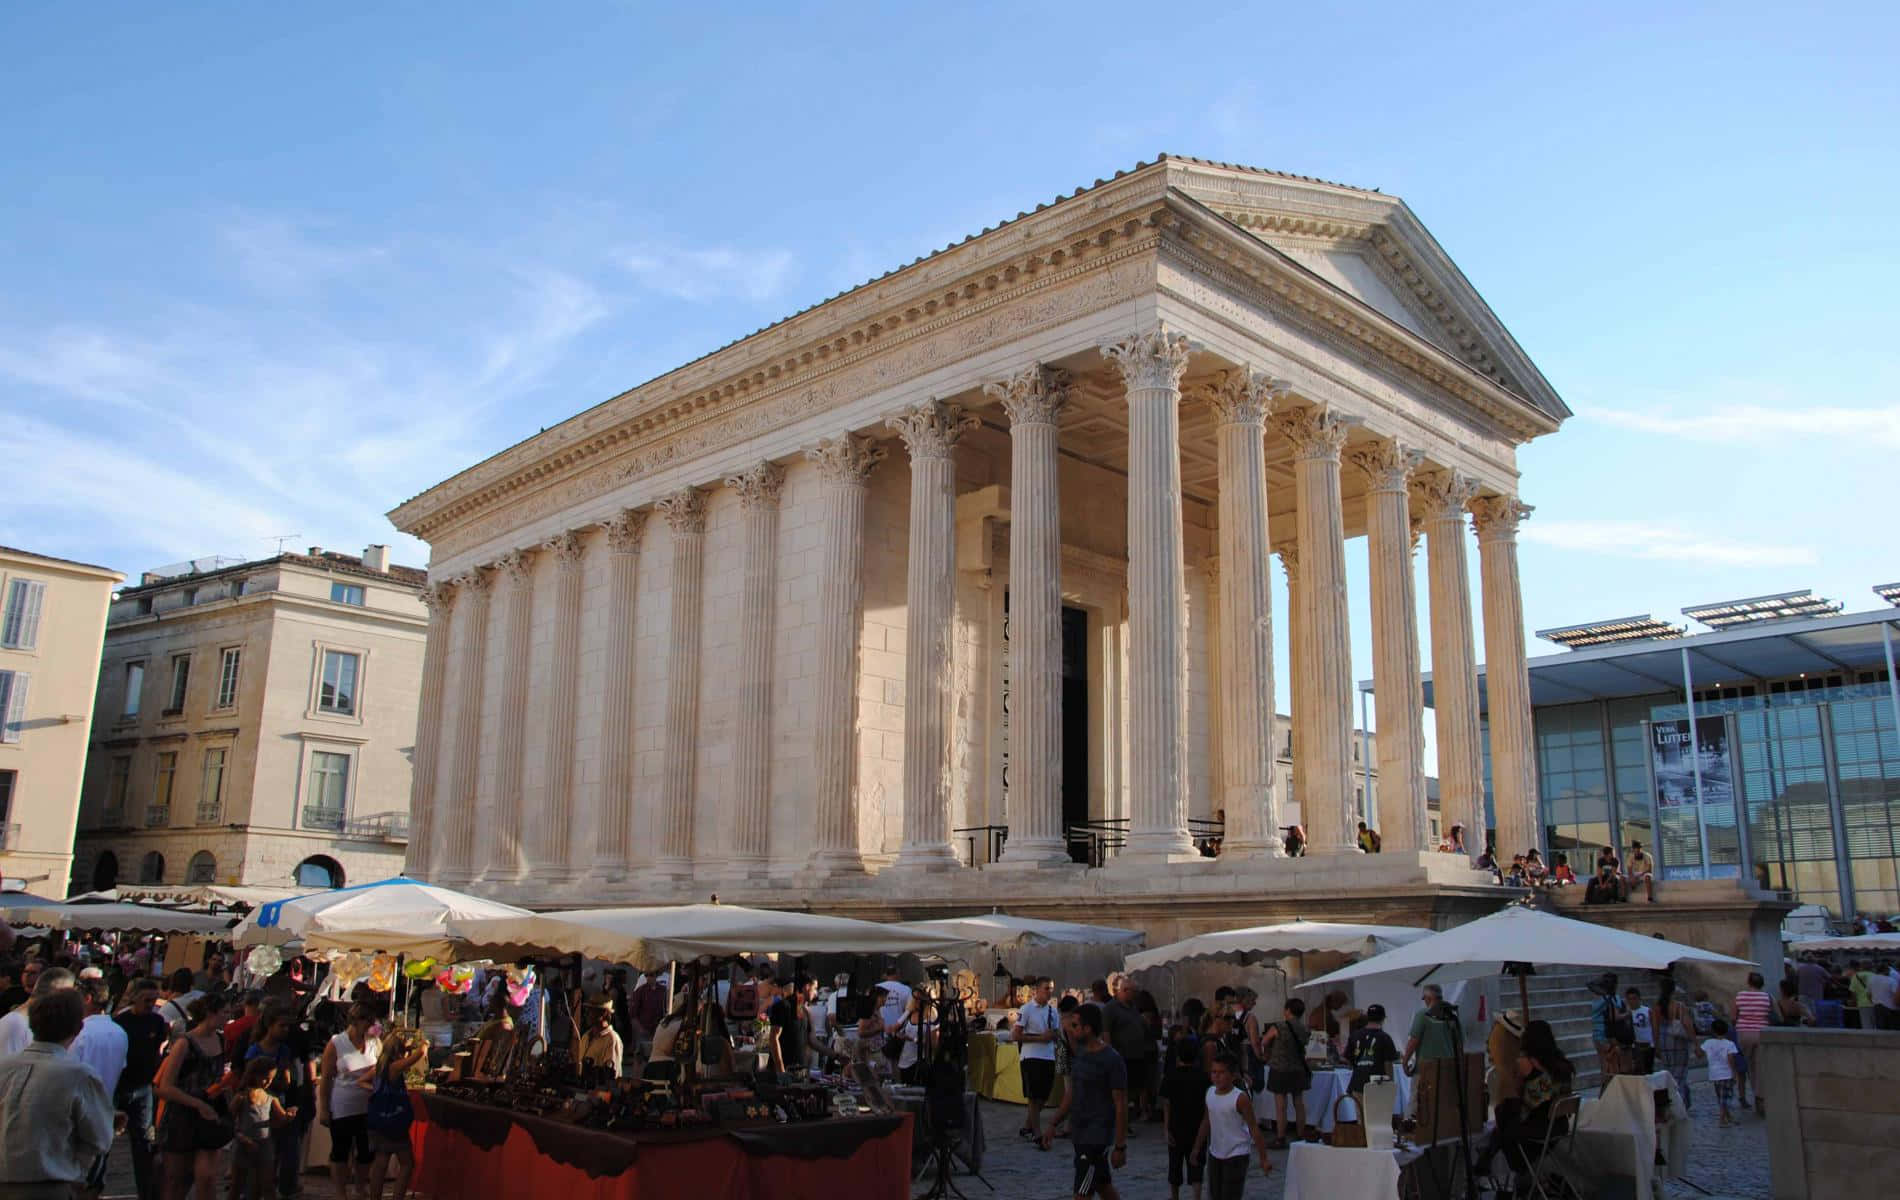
[{"x": 1228, "y": 1132}]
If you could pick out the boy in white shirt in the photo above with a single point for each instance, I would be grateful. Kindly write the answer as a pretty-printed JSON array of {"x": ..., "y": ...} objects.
[{"x": 1722, "y": 1055}]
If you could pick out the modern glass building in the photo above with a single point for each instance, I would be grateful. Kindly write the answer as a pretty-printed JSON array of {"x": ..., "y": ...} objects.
[{"x": 1765, "y": 747}]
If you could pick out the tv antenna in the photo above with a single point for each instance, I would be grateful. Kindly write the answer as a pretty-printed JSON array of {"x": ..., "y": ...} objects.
[{"x": 280, "y": 539}]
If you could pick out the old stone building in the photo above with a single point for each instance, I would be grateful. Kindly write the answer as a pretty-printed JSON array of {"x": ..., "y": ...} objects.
[
  {"x": 255, "y": 725},
  {"x": 989, "y": 541}
]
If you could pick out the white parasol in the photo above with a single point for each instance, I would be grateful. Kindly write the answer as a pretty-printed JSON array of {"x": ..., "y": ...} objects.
[
  {"x": 1259, "y": 943},
  {"x": 397, "y": 916}
]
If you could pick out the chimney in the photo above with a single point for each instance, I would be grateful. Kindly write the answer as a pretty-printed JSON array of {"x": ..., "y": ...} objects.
[
  {"x": 316, "y": 552},
  {"x": 376, "y": 558}
]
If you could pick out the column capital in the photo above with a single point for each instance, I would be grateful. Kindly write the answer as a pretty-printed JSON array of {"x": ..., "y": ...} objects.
[
  {"x": 1243, "y": 396},
  {"x": 438, "y": 597},
  {"x": 1154, "y": 359},
  {"x": 518, "y": 566},
  {"x": 846, "y": 460},
  {"x": 625, "y": 530},
  {"x": 1316, "y": 431},
  {"x": 684, "y": 510},
  {"x": 1442, "y": 494},
  {"x": 1034, "y": 395},
  {"x": 1388, "y": 465},
  {"x": 475, "y": 581},
  {"x": 568, "y": 547},
  {"x": 1496, "y": 518},
  {"x": 1290, "y": 562},
  {"x": 760, "y": 487},
  {"x": 930, "y": 429}
]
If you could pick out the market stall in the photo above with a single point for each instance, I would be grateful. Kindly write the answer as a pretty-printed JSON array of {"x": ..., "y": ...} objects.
[
  {"x": 706, "y": 1124},
  {"x": 395, "y": 915},
  {"x": 120, "y": 917}
]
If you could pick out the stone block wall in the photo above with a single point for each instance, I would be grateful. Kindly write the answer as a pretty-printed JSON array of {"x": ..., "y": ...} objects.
[{"x": 1833, "y": 1110}]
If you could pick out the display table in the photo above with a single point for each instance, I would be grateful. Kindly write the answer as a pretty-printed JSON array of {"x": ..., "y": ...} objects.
[
  {"x": 465, "y": 1149},
  {"x": 996, "y": 1071},
  {"x": 1316, "y": 1172},
  {"x": 1327, "y": 1087},
  {"x": 1617, "y": 1134}
]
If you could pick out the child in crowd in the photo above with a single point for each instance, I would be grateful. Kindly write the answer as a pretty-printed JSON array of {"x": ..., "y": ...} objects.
[
  {"x": 1183, "y": 1107},
  {"x": 1724, "y": 1059},
  {"x": 256, "y": 1112},
  {"x": 1228, "y": 1130}
]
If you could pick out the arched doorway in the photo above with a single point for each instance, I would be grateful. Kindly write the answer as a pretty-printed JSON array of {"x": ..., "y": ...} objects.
[
  {"x": 105, "y": 872},
  {"x": 319, "y": 871},
  {"x": 152, "y": 868},
  {"x": 203, "y": 868}
]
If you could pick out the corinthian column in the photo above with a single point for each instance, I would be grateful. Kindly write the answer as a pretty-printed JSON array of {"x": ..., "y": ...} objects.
[
  {"x": 1507, "y": 680},
  {"x": 929, "y": 431},
  {"x": 1318, "y": 434},
  {"x": 759, "y": 490},
  {"x": 844, "y": 465},
  {"x": 1397, "y": 693},
  {"x": 1441, "y": 497},
  {"x": 457, "y": 808},
  {"x": 614, "y": 848},
  {"x": 502, "y": 860},
  {"x": 1151, "y": 365},
  {"x": 1034, "y": 399},
  {"x": 1241, "y": 402},
  {"x": 1299, "y": 699},
  {"x": 685, "y": 513},
  {"x": 553, "y": 853},
  {"x": 439, "y": 599}
]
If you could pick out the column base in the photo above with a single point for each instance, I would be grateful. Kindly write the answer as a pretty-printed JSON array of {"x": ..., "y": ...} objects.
[
  {"x": 827, "y": 864},
  {"x": 453, "y": 877},
  {"x": 1251, "y": 851},
  {"x": 1152, "y": 846},
  {"x": 750, "y": 870},
  {"x": 927, "y": 857},
  {"x": 550, "y": 873},
  {"x": 677, "y": 870},
  {"x": 607, "y": 873},
  {"x": 1045, "y": 854}
]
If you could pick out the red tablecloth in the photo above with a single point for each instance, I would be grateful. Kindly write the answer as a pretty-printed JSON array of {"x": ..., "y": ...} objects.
[{"x": 451, "y": 1166}]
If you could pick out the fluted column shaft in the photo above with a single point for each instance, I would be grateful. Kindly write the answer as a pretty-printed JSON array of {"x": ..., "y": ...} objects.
[
  {"x": 1151, "y": 364},
  {"x": 1033, "y": 400},
  {"x": 614, "y": 848},
  {"x": 1317, "y": 435},
  {"x": 457, "y": 809},
  {"x": 1397, "y": 690},
  {"x": 553, "y": 851},
  {"x": 1241, "y": 401},
  {"x": 759, "y": 490},
  {"x": 844, "y": 467},
  {"x": 502, "y": 861},
  {"x": 930, "y": 431},
  {"x": 1299, "y": 698},
  {"x": 685, "y": 513},
  {"x": 1507, "y": 680},
  {"x": 439, "y": 598},
  {"x": 1442, "y": 497}
]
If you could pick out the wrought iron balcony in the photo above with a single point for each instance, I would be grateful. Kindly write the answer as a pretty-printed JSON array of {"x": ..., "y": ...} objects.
[
  {"x": 323, "y": 818},
  {"x": 112, "y": 818},
  {"x": 211, "y": 812},
  {"x": 382, "y": 826},
  {"x": 157, "y": 816},
  {"x": 10, "y": 837}
]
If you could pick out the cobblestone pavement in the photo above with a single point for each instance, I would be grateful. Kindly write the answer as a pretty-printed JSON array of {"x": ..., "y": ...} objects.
[{"x": 1729, "y": 1162}]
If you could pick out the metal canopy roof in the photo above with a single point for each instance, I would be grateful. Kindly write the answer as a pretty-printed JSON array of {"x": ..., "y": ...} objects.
[
  {"x": 1815, "y": 645},
  {"x": 1890, "y": 592},
  {"x": 1644, "y": 628},
  {"x": 1781, "y": 606}
]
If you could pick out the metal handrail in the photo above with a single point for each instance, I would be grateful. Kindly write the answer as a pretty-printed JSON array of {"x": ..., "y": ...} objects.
[
  {"x": 157, "y": 816},
  {"x": 993, "y": 838},
  {"x": 316, "y": 817}
]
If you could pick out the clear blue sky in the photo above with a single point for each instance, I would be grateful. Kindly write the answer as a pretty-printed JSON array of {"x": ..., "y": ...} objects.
[{"x": 271, "y": 269}]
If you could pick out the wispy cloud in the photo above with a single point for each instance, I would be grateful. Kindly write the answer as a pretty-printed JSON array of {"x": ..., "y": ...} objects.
[
  {"x": 276, "y": 254},
  {"x": 1662, "y": 542},
  {"x": 1756, "y": 424},
  {"x": 709, "y": 272}
]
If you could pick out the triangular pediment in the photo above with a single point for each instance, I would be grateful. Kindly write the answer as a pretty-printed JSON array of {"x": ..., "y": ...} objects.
[{"x": 1369, "y": 246}]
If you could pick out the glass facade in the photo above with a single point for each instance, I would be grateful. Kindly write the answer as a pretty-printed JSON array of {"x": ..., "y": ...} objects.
[{"x": 1798, "y": 786}]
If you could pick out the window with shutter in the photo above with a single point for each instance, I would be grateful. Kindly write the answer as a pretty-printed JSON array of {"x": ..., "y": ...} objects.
[
  {"x": 20, "y": 630},
  {"x": 12, "y": 704}
]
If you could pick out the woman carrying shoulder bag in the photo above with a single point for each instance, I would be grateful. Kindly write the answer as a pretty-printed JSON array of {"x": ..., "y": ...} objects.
[{"x": 193, "y": 1126}]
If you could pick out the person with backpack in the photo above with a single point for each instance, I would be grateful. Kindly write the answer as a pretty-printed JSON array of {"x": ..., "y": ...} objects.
[
  {"x": 390, "y": 1114},
  {"x": 1283, "y": 1045},
  {"x": 1610, "y": 1027}
]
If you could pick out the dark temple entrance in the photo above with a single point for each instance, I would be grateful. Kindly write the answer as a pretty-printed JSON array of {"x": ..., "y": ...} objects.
[{"x": 1075, "y": 723}]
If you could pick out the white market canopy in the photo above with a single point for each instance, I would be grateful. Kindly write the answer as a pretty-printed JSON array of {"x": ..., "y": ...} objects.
[
  {"x": 1046, "y": 947},
  {"x": 1864, "y": 941},
  {"x": 650, "y": 938},
  {"x": 395, "y": 915},
  {"x": 1263, "y": 942},
  {"x": 1480, "y": 948},
  {"x": 121, "y": 918}
]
